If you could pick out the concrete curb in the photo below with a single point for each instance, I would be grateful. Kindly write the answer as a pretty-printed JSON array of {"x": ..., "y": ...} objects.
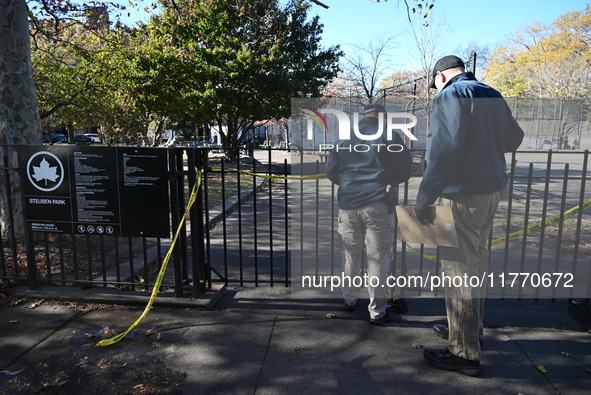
[{"x": 117, "y": 297}]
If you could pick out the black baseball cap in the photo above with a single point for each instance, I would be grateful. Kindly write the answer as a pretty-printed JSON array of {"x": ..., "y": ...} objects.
[
  {"x": 446, "y": 62},
  {"x": 374, "y": 107}
]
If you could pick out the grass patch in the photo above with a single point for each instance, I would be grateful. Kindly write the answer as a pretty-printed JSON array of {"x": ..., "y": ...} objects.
[{"x": 218, "y": 189}]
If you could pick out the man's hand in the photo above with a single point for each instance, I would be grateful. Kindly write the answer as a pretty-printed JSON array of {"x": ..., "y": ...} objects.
[{"x": 425, "y": 214}]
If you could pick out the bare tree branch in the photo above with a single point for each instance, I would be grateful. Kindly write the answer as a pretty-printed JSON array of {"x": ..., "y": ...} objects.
[{"x": 319, "y": 3}]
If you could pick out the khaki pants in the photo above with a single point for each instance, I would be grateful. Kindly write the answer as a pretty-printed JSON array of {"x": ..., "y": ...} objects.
[
  {"x": 474, "y": 215},
  {"x": 371, "y": 227}
]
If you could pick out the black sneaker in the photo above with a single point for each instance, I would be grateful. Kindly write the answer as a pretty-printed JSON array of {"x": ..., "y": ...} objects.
[
  {"x": 443, "y": 332},
  {"x": 382, "y": 319},
  {"x": 398, "y": 306},
  {"x": 446, "y": 360}
]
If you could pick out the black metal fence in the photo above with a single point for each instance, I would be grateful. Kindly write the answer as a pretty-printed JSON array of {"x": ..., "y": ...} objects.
[
  {"x": 271, "y": 216},
  {"x": 93, "y": 260},
  {"x": 542, "y": 227}
]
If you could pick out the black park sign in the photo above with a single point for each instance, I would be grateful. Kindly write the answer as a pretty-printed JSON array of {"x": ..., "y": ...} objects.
[{"x": 119, "y": 191}]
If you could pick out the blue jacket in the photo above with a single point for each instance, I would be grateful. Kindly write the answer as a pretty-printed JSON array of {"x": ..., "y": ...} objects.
[
  {"x": 471, "y": 128},
  {"x": 362, "y": 177}
]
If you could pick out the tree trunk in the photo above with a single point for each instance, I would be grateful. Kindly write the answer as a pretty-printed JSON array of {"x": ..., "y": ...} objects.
[{"x": 19, "y": 113}]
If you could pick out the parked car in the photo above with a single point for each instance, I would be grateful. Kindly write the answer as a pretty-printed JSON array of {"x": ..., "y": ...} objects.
[
  {"x": 551, "y": 144},
  {"x": 49, "y": 138},
  {"x": 94, "y": 138},
  {"x": 546, "y": 143},
  {"x": 82, "y": 139},
  {"x": 60, "y": 138}
]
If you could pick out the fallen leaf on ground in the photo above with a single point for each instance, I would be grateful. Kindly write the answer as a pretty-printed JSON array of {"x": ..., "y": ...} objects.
[
  {"x": 60, "y": 379},
  {"x": 103, "y": 363},
  {"x": 566, "y": 354},
  {"x": 541, "y": 368},
  {"x": 109, "y": 332},
  {"x": 416, "y": 345},
  {"x": 330, "y": 315}
]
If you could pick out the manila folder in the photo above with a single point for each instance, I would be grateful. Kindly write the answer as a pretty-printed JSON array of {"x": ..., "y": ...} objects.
[{"x": 441, "y": 233}]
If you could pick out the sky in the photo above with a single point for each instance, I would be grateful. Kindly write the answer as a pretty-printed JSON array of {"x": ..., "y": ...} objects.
[
  {"x": 350, "y": 23},
  {"x": 486, "y": 23}
]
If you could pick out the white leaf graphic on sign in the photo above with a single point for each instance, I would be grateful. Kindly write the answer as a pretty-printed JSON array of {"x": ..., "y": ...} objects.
[{"x": 45, "y": 172}]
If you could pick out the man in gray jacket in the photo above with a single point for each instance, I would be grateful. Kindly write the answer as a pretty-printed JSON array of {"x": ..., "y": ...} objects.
[
  {"x": 471, "y": 128},
  {"x": 368, "y": 176}
]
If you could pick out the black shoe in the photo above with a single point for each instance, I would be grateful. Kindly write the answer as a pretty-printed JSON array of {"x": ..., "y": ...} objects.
[
  {"x": 446, "y": 360},
  {"x": 443, "y": 332},
  {"x": 349, "y": 307},
  {"x": 382, "y": 319},
  {"x": 399, "y": 306}
]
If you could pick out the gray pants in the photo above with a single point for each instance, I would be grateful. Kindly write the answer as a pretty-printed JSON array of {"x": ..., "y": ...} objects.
[
  {"x": 473, "y": 215},
  {"x": 371, "y": 227}
]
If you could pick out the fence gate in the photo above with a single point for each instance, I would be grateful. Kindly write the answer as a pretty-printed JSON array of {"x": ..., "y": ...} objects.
[
  {"x": 266, "y": 219},
  {"x": 99, "y": 216}
]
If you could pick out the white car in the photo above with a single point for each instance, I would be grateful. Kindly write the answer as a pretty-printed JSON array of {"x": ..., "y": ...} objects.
[{"x": 94, "y": 138}]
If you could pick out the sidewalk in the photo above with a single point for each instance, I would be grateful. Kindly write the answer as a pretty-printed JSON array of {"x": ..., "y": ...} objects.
[
  {"x": 263, "y": 341},
  {"x": 259, "y": 340}
]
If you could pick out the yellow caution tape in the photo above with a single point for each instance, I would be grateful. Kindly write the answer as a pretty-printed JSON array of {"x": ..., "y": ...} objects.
[
  {"x": 192, "y": 198},
  {"x": 549, "y": 222},
  {"x": 306, "y": 177},
  {"x": 107, "y": 342},
  {"x": 430, "y": 257}
]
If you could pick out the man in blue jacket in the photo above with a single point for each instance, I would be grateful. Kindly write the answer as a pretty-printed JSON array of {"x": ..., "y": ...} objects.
[
  {"x": 368, "y": 173},
  {"x": 471, "y": 128}
]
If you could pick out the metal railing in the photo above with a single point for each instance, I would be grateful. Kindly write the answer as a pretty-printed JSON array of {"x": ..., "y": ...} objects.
[
  {"x": 541, "y": 227},
  {"x": 269, "y": 218}
]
